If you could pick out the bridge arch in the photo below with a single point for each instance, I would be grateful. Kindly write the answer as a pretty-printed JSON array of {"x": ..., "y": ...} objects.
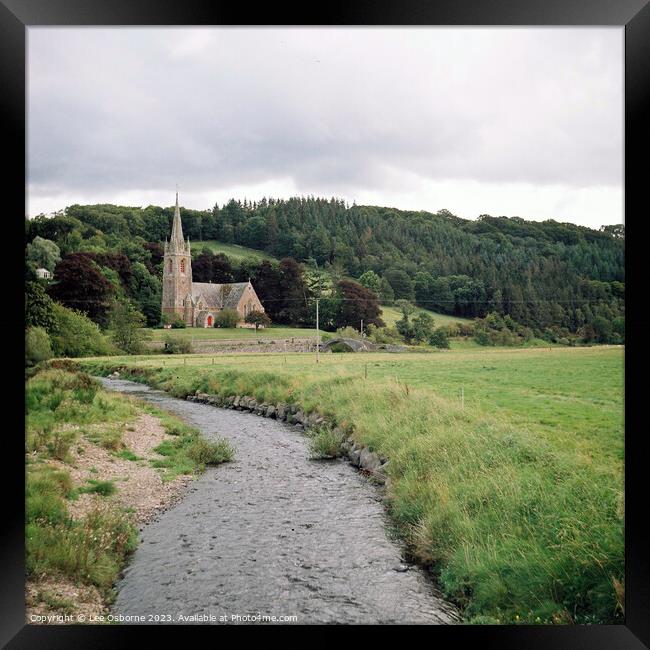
[{"x": 352, "y": 344}]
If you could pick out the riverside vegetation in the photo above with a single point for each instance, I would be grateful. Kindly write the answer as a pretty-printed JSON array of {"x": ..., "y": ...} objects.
[
  {"x": 81, "y": 520},
  {"x": 512, "y": 497}
]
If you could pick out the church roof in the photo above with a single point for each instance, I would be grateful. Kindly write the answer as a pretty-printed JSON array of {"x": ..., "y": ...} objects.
[
  {"x": 232, "y": 293},
  {"x": 221, "y": 296},
  {"x": 212, "y": 293}
]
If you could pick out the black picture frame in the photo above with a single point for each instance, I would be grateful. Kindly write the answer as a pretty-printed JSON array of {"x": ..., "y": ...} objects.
[{"x": 634, "y": 15}]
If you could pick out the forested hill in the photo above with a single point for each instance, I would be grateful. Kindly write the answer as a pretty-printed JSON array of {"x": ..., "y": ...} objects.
[{"x": 541, "y": 273}]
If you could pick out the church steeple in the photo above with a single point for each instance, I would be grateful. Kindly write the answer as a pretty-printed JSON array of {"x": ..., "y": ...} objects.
[
  {"x": 177, "y": 273},
  {"x": 177, "y": 228}
]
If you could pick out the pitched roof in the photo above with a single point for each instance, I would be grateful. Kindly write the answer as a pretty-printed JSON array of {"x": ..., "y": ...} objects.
[
  {"x": 232, "y": 293},
  {"x": 212, "y": 293},
  {"x": 219, "y": 296}
]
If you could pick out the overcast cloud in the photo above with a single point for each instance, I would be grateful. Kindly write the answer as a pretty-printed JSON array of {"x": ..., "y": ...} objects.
[{"x": 525, "y": 122}]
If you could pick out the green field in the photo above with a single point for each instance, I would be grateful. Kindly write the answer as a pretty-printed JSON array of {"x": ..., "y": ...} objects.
[
  {"x": 390, "y": 315},
  {"x": 232, "y": 250},
  {"x": 514, "y": 496},
  {"x": 230, "y": 334}
]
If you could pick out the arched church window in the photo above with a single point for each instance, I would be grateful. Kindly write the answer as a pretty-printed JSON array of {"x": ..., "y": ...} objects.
[
  {"x": 170, "y": 266},
  {"x": 182, "y": 266}
]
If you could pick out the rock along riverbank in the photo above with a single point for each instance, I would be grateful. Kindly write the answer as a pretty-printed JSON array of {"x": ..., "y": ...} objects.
[{"x": 272, "y": 534}]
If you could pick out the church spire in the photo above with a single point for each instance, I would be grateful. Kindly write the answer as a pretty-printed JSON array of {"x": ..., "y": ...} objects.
[{"x": 177, "y": 228}]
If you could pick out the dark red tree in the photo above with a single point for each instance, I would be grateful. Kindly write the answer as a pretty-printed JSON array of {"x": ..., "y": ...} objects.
[
  {"x": 357, "y": 303},
  {"x": 222, "y": 271},
  {"x": 202, "y": 267},
  {"x": 118, "y": 262},
  {"x": 79, "y": 284}
]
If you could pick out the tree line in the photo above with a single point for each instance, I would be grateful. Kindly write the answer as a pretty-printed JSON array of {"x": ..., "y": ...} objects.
[{"x": 547, "y": 276}]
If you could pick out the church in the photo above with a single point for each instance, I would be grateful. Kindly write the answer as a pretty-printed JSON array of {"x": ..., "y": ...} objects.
[{"x": 197, "y": 303}]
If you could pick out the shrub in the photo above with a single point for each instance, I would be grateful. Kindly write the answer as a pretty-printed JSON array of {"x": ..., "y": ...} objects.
[
  {"x": 259, "y": 319},
  {"x": 75, "y": 335},
  {"x": 39, "y": 307},
  {"x": 423, "y": 326},
  {"x": 127, "y": 323},
  {"x": 384, "y": 335},
  {"x": 451, "y": 331},
  {"x": 349, "y": 333},
  {"x": 465, "y": 329},
  {"x": 174, "y": 320},
  {"x": 203, "y": 452},
  {"x": 59, "y": 443},
  {"x": 37, "y": 346},
  {"x": 439, "y": 338},
  {"x": 226, "y": 318},
  {"x": 417, "y": 329},
  {"x": 174, "y": 345}
]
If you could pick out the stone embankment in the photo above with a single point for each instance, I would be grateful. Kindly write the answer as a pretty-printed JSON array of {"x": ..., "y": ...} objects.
[{"x": 359, "y": 456}]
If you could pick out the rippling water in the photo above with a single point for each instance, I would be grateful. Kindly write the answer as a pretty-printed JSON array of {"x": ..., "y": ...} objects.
[{"x": 273, "y": 534}]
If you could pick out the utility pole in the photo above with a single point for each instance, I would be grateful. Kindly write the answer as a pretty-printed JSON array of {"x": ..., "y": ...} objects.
[
  {"x": 317, "y": 335},
  {"x": 362, "y": 328}
]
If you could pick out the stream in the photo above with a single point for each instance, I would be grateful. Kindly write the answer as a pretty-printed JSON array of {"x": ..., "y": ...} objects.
[{"x": 271, "y": 534}]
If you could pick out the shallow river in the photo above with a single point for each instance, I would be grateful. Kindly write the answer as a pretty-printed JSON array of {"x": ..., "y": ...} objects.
[{"x": 273, "y": 534}]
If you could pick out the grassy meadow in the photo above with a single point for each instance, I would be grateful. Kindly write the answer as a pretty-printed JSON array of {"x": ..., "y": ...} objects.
[
  {"x": 232, "y": 250},
  {"x": 233, "y": 333},
  {"x": 390, "y": 315},
  {"x": 512, "y": 495}
]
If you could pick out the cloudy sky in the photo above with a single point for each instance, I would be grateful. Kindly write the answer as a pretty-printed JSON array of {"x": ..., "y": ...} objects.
[{"x": 517, "y": 122}]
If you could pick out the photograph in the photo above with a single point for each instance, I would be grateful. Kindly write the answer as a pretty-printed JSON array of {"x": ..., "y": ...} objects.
[{"x": 324, "y": 324}]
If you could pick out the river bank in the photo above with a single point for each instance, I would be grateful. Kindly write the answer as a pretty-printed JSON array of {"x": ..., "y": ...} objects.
[
  {"x": 273, "y": 534},
  {"x": 482, "y": 488},
  {"x": 99, "y": 468}
]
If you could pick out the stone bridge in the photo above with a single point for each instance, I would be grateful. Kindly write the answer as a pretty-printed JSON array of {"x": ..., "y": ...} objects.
[{"x": 356, "y": 345}]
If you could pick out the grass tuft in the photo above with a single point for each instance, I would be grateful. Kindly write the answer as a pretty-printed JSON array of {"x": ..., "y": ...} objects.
[
  {"x": 325, "y": 443},
  {"x": 103, "y": 488}
]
